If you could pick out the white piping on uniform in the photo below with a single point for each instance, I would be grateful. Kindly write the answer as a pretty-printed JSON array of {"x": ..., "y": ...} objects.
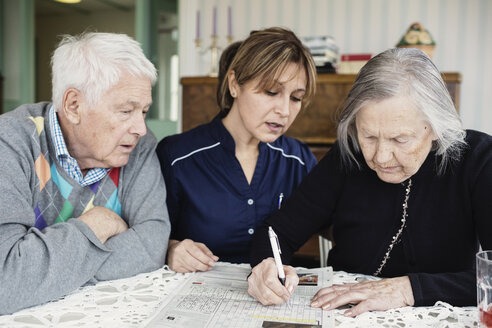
[
  {"x": 193, "y": 152},
  {"x": 285, "y": 155}
]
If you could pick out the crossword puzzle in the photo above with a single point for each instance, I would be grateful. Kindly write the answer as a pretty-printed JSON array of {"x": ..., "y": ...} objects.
[
  {"x": 221, "y": 300},
  {"x": 235, "y": 308}
]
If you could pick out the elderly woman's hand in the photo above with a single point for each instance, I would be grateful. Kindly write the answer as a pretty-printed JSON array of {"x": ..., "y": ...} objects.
[
  {"x": 369, "y": 295},
  {"x": 265, "y": 287}
]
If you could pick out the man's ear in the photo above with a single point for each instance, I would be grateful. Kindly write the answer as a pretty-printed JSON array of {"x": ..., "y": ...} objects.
[
  {"x": 233, "y": 85},
  {"x": 71, "y": 105}
]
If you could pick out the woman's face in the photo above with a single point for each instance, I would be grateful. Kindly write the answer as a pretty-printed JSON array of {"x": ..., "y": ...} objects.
[
  {"x": 394, "y": 137},
  {"x": 264, "y": 115}
]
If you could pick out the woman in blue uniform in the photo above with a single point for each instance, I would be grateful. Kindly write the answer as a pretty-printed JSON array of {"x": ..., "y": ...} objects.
[{"x": 225, "y": 177}]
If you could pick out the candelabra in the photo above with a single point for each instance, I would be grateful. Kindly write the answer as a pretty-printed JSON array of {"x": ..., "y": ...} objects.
[
  {"x": 213, "y": 48},
  {"x": 214, "y": 52}
]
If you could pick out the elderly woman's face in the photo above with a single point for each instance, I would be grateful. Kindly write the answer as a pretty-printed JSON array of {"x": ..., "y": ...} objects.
[{"x": 394, "y": 137}]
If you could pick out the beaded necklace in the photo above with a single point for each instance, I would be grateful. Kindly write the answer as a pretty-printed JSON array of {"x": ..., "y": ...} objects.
[{"x": 396, "y": 237}]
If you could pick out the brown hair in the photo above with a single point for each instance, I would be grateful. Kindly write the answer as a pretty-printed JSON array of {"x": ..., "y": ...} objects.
[
  {"x": 224, "y": 64},
  {"x": 264, "y": 55}
]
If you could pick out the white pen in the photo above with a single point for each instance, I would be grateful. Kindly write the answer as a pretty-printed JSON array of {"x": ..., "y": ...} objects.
[
  {"x": 280, "y": 198},
  {"x": 276, "y": 254}
]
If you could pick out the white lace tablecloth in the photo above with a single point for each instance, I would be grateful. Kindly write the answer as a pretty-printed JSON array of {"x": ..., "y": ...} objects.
[{"x": 128, "y": 302}]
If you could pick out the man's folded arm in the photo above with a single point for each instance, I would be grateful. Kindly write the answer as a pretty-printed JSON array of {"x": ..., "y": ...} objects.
[
  {"x": 38, "y": 266},
  {"x": 141, "y": 248}
]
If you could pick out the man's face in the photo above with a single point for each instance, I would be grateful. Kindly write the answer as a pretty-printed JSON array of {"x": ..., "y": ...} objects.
[{"x": 109, "y": 131}]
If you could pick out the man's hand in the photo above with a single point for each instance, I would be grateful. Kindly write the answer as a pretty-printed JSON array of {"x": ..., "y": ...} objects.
[
  {"x": 368, "y": 295},
  {"x": 103, "y": 222},
  {"x": 265, "y": 287},
  {"x": 189, "y": 256}
]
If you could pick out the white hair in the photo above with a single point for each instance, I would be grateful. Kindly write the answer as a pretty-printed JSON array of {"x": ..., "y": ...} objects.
[
  {"x": 404, "y": 72},
  {"x": 94, "y": 62}
]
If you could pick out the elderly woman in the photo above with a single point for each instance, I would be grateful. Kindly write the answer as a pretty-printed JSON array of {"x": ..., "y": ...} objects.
[{"x": 405, "y": 188}]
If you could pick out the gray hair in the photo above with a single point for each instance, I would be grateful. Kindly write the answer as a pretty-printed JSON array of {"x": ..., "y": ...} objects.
[
  {"x": 404, "y": 72},
  {"x": 94, "y": 62}
]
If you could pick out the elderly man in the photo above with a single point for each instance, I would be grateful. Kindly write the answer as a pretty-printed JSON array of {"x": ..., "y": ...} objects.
[{"x": 82, "y": 196}]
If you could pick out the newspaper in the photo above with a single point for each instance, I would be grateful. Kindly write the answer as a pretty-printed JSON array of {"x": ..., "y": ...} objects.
[{"x": 219, "y": 298}]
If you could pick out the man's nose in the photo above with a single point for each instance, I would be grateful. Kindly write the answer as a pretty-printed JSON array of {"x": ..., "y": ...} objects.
[{"x": 138, "y": 126}]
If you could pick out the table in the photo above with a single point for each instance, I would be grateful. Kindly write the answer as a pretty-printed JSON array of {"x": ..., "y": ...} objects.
[{"x": 128, "y": 302}]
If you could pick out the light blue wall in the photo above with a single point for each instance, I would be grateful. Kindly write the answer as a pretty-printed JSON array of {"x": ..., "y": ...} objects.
[
  {"x": 2, "y": 28},
  {"x": 18, "y": 53},
  {"x": 146, "y": 17},
  {"x": 161, "y": 128}
]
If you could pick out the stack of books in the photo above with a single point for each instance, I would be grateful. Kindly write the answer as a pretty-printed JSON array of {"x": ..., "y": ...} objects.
[
  {"x": 352, "y": 63},
  {"x": 324, "y": 51}
]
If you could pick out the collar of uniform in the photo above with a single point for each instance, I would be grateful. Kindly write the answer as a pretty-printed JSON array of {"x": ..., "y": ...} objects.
[{"x": 222, "y": 134}]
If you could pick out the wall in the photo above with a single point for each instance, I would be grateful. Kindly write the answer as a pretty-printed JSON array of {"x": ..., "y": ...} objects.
[
  {"x": 11, "y": 56},
  {"x": 138, "y": 24},
  {"x": 49, "y": 27},
  {"x": 461, "y": 28},
  {"x": 17, "y": 53}
]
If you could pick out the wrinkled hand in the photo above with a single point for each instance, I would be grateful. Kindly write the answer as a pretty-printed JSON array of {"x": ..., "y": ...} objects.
[
  {"x": 266, "y": 288},
  {"x": 189, "y": 256},
  {"x": 103, "y": 222},
  {"x": 368, "y": 295}
]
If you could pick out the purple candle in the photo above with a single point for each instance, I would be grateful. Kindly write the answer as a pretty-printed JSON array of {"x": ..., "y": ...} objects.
[
  {"x": 229, "y": 21},
  {"x": 198, "y": 24},
  {"x": 215, "y": 21}
]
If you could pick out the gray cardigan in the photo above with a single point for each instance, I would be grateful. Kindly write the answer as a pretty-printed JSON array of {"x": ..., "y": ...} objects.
[{"x": 36, "y": 265}]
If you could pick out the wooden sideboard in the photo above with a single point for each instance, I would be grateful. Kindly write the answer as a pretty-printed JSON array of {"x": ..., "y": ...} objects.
[{"x": 315, "y": 125}]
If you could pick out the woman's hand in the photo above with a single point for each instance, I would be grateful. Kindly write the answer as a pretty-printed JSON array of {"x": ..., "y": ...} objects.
[
  {"x": 266, "y": 288},
  {"x": 369, "y": 295},
  {"x": 189, "y": 256}
]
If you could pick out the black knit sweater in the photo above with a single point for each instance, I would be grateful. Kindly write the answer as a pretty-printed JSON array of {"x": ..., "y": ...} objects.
[{"x": 448, "y": 215}]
